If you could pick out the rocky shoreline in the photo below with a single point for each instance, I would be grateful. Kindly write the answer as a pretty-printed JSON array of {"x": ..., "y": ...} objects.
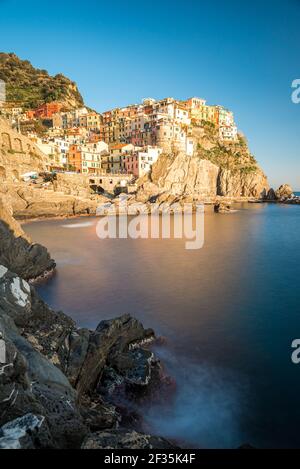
[
  {"x": 30, "y": 204},
  {"x": 62, "y": 386}
]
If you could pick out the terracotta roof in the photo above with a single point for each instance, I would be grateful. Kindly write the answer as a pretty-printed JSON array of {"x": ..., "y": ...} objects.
[{"x": 119, "y": 146}]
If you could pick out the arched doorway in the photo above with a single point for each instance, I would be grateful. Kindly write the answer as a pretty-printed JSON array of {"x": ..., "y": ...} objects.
[
  {"x": 6, "y": 143},
  {"x": 18, "y": 145}
]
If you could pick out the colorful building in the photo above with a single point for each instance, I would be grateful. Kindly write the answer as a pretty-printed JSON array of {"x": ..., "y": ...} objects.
[
  {"x": 45, "y": 111},
  {"x": 139, "y": 163}
]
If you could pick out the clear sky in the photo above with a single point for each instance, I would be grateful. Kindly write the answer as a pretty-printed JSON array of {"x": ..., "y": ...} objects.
[{"x": 241, "y": 54}]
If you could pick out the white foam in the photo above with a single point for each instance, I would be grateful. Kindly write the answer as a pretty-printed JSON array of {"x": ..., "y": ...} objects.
[{"x": 79, "y": 225}]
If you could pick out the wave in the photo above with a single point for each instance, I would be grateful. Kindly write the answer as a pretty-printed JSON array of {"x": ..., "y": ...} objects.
[
  {"x": 79, "y": 225},
  {"x": 205, "y": 409}
]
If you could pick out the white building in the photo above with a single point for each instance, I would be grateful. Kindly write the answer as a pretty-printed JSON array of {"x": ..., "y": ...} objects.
[
  {"x": 52, "y": 151},
  {"x": 147, "y": 158},
  {"x": 181, "y": 116},
  {"x": 91, "y": 155},
  {"x": 190, "y": 146},
  {"x": 228, "y": 133},
  {"x": 194, "y": 103}
]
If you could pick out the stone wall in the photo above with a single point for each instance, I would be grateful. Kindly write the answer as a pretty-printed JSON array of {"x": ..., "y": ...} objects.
[
  {"x": 72, "y": 184},
  {"x": 109, "y": 182},
  {"x": 18, "y": 154}
]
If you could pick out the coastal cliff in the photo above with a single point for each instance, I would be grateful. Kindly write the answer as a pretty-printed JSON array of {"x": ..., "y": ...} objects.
[{"x": 215, "y": 169}]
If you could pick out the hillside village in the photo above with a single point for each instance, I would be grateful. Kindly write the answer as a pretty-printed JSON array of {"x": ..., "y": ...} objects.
[
  {"x": 126, "y": 140},
  {"x": 157, "y": 149}
]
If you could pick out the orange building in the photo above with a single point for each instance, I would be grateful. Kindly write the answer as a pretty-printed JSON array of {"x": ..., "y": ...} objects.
[
  {"x": 75, "y": 158},
  {"x": 30, "y": 114}
]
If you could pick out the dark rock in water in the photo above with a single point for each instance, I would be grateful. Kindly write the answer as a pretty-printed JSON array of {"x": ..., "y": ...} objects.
[
  {"x": 16, "y": 250},
  {"x": 283, "y": 195},
  {"x": 222, "y": 207},
  {"x": 124, "y": 439},
  {"x": 135, "y": 365},
  {"x": 271, "y": 195},
  {"x": 111, "y": 338}
]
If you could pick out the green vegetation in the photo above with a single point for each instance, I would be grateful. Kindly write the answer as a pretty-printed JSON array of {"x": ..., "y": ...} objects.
[
  {"x": 234, "y": 157},
  {"x": 31, "y": 87},
  {"x": 37, "y": 125}
]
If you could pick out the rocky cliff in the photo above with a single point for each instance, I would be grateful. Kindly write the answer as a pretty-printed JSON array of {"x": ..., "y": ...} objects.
[
  {"x": 215, "y": 169},
  {"x": 57, "y": 199},
  {"x": 31, "y": 87}
]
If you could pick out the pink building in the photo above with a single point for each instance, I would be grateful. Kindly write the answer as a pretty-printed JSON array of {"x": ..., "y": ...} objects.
[
  {"x": 132, "y": 164},
  {"x": 139, "y": 163}
]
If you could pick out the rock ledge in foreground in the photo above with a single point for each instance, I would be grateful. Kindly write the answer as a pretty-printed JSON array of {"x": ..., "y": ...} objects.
[{"x": 125, "y": 439}]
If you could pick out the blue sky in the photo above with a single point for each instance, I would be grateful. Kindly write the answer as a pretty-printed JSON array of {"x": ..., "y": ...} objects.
[{"x": 243, "y": 55}]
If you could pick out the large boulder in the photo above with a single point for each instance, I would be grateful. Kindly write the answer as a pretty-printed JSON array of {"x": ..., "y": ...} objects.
[
  {"x": 31, "y": 384},
  {"x": 271, "y": 195},
  {"x": 110, "y": 345},
  {"x": 222, "y": 207},
  {"x": 284, "y": 192},
  {"x": 17, "y": 253}
]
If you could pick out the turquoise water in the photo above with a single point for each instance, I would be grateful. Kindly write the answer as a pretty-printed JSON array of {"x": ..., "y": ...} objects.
[{"x": 229, "y": 313}]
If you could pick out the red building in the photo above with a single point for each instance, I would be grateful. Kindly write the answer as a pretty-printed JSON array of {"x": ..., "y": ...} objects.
[{"x": 45, "y": 111}]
